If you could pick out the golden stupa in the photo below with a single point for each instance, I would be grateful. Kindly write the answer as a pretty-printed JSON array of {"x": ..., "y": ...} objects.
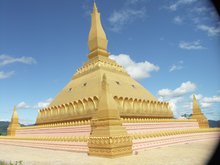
[
  {"x": 103, "y": 111},
  {"x": 79, "y": 98}
]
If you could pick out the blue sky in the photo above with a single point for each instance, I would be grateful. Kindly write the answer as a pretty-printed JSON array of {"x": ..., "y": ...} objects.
[{"x": 170, "y": 47}]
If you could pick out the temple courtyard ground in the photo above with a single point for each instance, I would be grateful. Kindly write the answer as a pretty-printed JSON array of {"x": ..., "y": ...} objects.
[{"x": 196, "y": 153}]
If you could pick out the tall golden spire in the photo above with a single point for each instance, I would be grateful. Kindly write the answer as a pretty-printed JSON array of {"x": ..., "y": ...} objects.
[
  {"x": 11, "y": 131},
  {"x": 97, "y": 40}
]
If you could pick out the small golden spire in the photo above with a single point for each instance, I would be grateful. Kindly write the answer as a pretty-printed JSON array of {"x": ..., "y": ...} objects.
[
  {"x": 11, "y": 130},
  {"x": 14, "y": 115},
  {"x": 97, "y": 40},
  {"x": 198, "y": 115},
  {"x": 196, "y": 108},
  {"x": 95, "y": 7}
]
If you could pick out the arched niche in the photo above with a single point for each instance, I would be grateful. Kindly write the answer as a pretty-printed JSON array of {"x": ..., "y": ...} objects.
[
  {"x": 139, "y": 106},
  {"x": 95, "y": 100},
  {"x": 116, "y": 100},
  {"x": 64, "y": 110},
  {"x": 151, "y": 107},
  {"x": 71, "y": 109},
  {"x": 126, "y": 105},
  {"x": 67, "y": 109},
  {"x": 91, "y": 104},
  {"x": 85, "y": 103},
  {"x": 80, "y": 107},
  {"x": 135, "y": 106},
  {"x": 56, "y": 112},
  {"x": 144, "y": 106},
  {"x": 131, "y": 105},
  {"x": 121, "y": 100}
]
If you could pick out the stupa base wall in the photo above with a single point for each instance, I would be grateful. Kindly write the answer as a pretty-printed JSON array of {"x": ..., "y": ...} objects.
[
  {"x": 75, "y": 137},
  {"x": 158, "y": 126},
  {"x": 84, "y": 130},
  {"x": 138, "y": 144},
  {"x": 54, "y": 145},
  {"x": 163, "y": 141}
]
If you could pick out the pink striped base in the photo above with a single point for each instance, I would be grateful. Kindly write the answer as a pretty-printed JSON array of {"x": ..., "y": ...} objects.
[
  {"x": 54, "y": 145},
  {"x": 84, "y": 130},
  {"x": 138, "y": 144},
  {"x": 160, "y": 126},
  {"x": 149, "y": 143}
]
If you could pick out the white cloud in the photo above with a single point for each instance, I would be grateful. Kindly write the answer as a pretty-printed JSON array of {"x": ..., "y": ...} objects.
[
  {"x": 130, "y": 11},
  {"x": 194, "y": 45},
  {"x": 213, "y": 99},
  {"x": 44, "y": 104},
  {"x": 137, "y": 70},
  {"x": 87, "y": 7},
  {"x": 205, "y": 105},
  {"x": 26, "y": 121},
  {"x": 211, "y": 30},
  {"x": 185, "y": 87},
  {"x": 201, "y": 9},
  {"x": 173, "y": 103},
  {"x": 174, "y": 6},
  {"x": 178, "y": 20},
  {"x": 177, "y": 66},
  {"x": 6, "y": 59},
  {"x": 119, "y": 19},
  {"x": 196, "y": 19},
  {"x": 131, "y": 2},
  {"x": 39, "y": 105},
  {"x": 188, "y": 105},
  {"x": 22, "y": 105},
  {"x": 4, "y": 75}
]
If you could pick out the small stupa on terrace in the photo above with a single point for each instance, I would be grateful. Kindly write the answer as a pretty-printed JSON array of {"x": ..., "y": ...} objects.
[
  {"x": 11, "y": 131},
  {"x": 198, "y": 115}
]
